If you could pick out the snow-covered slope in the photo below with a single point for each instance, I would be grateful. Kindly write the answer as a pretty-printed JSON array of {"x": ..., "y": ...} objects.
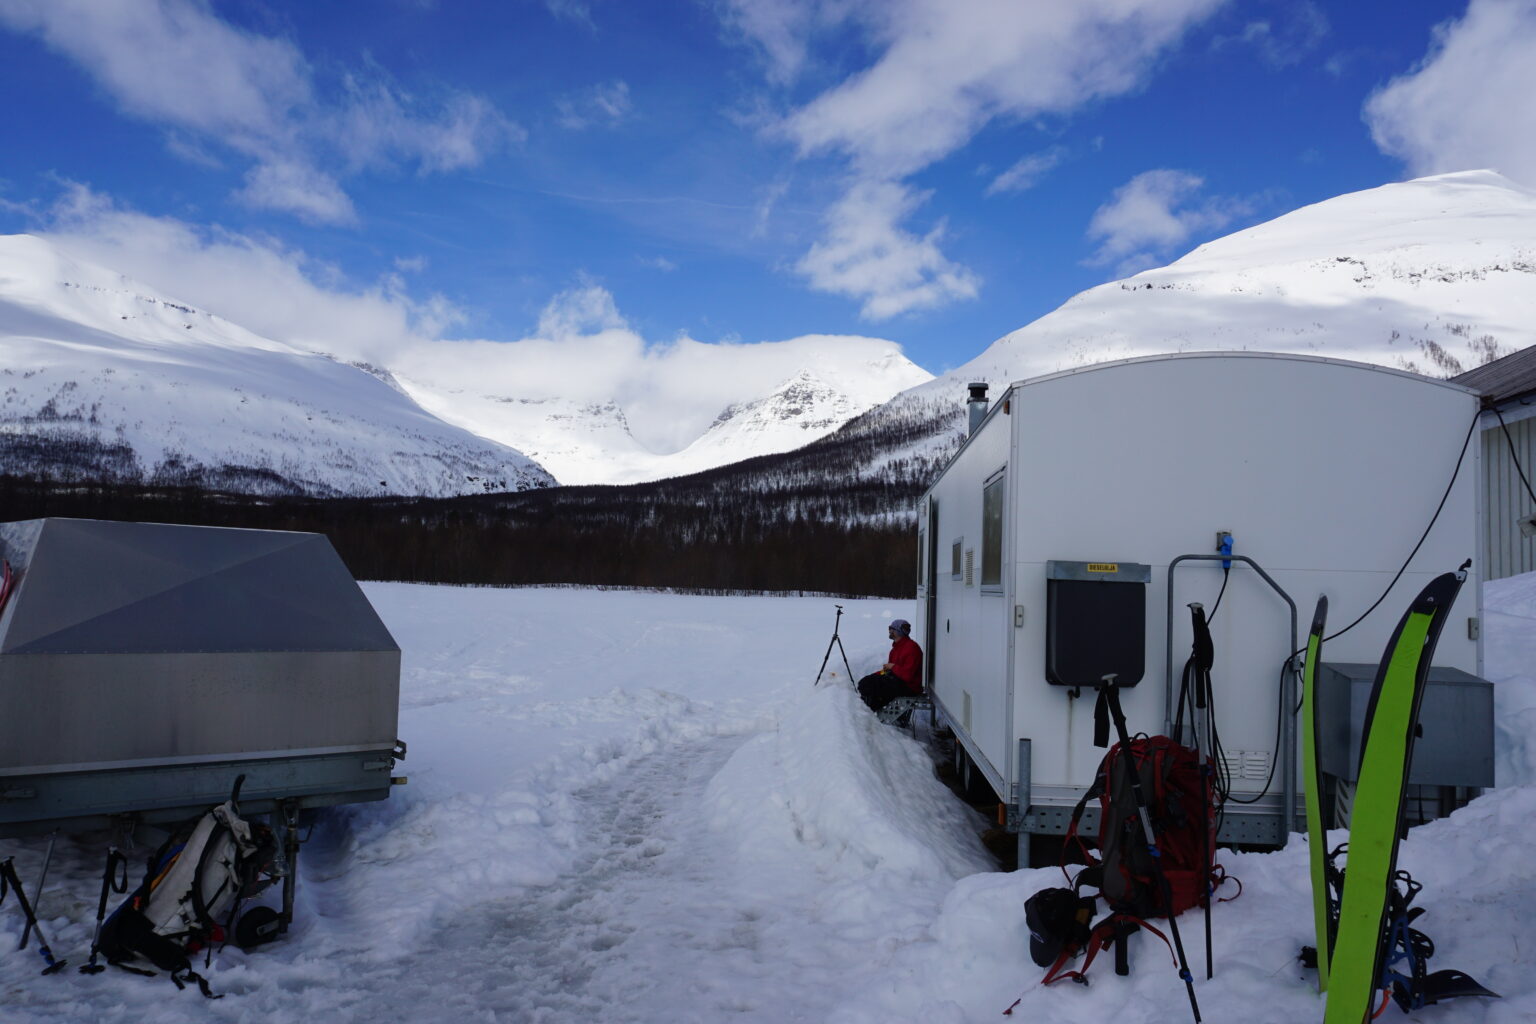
[
  {"x": 1436, "y": 275},
  {"x": 592, "y": 442},
  {"x": 103, "y": 379},
  {"x": 635, "y": 807}
]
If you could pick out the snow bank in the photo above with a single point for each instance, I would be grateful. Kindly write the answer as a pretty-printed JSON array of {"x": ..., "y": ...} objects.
[
  {"x": 833, "y": 793},
  {"x": 1509, "y": 661}
]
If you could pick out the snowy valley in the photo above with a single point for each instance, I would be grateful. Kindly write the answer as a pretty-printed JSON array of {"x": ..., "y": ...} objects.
[
  {"x": 634, "y": 807},
  {"x": 105, "y": 377}
]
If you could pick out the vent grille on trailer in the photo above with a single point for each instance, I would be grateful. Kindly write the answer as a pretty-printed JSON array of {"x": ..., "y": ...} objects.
[
  {"x": 1247, "y": 764},
  {"x": 970, "y": 567}
]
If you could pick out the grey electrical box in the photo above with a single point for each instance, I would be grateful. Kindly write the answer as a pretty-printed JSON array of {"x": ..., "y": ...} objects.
[{"x": 1454, "y": 747}]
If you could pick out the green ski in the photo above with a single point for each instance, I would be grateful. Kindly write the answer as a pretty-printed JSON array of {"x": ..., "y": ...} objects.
[
  {"x": 1355, "y": 968},
  {"x": 1317, "y": 836}
]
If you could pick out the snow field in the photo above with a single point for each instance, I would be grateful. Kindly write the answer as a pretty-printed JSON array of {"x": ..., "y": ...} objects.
[{"x": 634, "y": 807}]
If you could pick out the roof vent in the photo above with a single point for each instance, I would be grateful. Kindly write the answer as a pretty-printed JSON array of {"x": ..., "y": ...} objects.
[{"x": 978, "y": 405}]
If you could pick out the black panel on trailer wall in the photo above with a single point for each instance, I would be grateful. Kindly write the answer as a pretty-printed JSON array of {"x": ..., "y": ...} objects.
[{"x": 1096, "y": 622}]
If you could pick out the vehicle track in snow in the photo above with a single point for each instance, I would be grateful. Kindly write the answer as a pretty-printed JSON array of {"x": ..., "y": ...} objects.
[{"x": 649, "y": 926}]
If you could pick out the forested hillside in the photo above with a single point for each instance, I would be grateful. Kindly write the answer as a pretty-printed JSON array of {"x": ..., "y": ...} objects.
[{"x": 833, "y": 517}]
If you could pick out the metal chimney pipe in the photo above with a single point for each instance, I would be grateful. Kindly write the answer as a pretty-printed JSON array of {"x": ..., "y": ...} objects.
[{"x": 978, "y": 405}]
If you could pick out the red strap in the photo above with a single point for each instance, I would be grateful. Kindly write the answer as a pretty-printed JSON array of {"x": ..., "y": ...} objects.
[
  {"x": 1223, "y": 880},
  {"x": 1160, "y": 935},
  {"x": 1061, "y": 961}
]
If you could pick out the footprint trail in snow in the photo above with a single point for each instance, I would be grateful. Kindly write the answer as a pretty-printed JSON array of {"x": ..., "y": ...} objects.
[{"x": 651, "y": 925}]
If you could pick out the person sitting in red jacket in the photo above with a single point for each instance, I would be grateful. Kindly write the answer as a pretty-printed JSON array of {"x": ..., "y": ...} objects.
[{"x": 901, "y": 676}]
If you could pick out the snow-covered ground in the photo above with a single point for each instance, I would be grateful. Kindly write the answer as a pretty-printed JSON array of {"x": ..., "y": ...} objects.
[{"x": 635, "y": 807}]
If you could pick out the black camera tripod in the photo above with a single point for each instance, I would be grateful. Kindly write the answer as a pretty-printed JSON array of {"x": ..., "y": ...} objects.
[{"x": 837, "y": 642}]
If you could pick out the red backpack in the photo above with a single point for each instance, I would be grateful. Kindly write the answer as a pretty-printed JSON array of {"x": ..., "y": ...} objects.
[{"x": 1184, "y": 823}]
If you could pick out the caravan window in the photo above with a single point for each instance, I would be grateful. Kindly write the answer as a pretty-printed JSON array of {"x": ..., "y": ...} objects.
[
  {"x": 957, "y": 560},
  {"x": 922, "y": 557},
  {"x": 992, "y": 534}
]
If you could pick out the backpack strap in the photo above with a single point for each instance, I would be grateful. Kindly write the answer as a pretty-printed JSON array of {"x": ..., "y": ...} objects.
[{"x": 1093, "y": 793}]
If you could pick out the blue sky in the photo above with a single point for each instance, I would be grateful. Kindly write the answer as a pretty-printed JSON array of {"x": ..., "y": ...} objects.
[{"x": 935, "y": 172}]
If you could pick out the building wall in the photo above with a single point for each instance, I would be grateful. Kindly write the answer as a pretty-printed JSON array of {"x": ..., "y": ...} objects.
[{"x": 1505, "y": 498}]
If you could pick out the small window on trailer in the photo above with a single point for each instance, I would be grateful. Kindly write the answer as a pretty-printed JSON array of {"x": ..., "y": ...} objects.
[
  {"x": 957, "y": 559},
  {"x": 992, "y": 534},
  {"x": 922, "y": 556}
]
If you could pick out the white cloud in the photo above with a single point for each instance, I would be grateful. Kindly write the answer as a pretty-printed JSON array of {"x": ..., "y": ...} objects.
[
  {"x": 1471, "y": 102},
  {"x": 1152, "y": 214},
  {"x": 943, "y": 75},
  {"x": 587, "y": 309},
  {"x": 572, "y": 10},
  {"x": 866, "y": 255},
  {"x": 583, "y": 348},
  {"x": 669, "y": 391},
  {"x": 660, "y": 263},
  {"x": 605, "y": 104},
  {"x": 299, "y": 189},
  {"x": 939, "y": 76},
  {"x": 374, "y": 126},
  {"x": 256, "y": 282},
  {"x": 780, "y": 28},
  {"x": 1300, "y": 26},
  {"x": 1026, "y": 174},
  {"x": 173, "y": 63}
]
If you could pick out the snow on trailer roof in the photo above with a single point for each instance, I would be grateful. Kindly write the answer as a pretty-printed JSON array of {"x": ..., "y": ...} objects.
[{"x": 97, "y": 587}]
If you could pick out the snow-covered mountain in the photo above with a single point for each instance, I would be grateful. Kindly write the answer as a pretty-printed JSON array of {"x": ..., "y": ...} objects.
[
  {"x": 101, "y": 378},
  {"x": 1435, "y": 275},
  {"x": 587, "y": 442}
]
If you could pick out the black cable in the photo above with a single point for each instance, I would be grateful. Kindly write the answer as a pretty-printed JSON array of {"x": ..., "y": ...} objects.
[
  {"x": 1218, "y": 754},
  {"x": 1274, "y": 759},
  {"x": 1422, "y": 537},
  {"x": 1226, "y": 574}
]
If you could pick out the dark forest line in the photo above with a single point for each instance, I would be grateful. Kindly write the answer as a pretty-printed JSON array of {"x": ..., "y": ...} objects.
[
  {"x": 836, "y": 517},
  {"x": 554, "y": 538}
]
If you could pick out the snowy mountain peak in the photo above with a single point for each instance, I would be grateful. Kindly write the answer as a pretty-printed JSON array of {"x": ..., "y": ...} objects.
[
  {"x": 104, "y": 379},
  {"x": 1435, "y": 275},
  {"x": 804, "y": 397},
  {"x": 38, "y": 278},
  {"x": 600, "y": 442}
]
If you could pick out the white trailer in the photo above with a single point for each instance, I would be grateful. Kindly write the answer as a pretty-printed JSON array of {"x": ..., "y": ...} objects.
[{"x": 1082, "y": 515}]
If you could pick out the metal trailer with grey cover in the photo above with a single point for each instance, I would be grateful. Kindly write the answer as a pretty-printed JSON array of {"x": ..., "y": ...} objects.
[
  {"x": 1084, "y": 512},
  {"x": 144, "y": 667}
]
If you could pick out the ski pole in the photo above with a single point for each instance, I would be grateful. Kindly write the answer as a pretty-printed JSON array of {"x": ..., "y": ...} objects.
[
  {"x": 9, "y": 879},
  {"x": 1111, "y": 700},
  {"x": 114, "y": 878},
  {"x": 1204, "y": 656},
  {"x": 42, "y": 879}
]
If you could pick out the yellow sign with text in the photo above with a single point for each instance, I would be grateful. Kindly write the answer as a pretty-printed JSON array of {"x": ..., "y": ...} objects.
[{"x": 1103, "y": 567}]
